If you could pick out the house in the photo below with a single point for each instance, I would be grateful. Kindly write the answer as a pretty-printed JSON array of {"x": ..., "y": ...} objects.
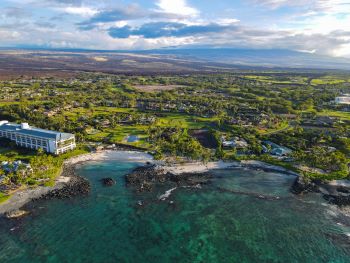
[
  {"x": 35, "y": 138},
  {"x": 275, "y": 149},
  {"x": 344, "y": 100},
  {"x": 10, "y": 167},
  {"x": 235, "y": 143}
]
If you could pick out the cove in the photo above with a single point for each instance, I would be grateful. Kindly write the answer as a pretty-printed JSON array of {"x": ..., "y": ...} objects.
[{"x": 192, "y": 225}]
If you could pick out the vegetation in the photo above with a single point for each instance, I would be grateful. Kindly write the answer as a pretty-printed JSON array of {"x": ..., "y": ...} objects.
[
  {"x": 4, "y": 197},
  {"x": 187, "y": 116}
]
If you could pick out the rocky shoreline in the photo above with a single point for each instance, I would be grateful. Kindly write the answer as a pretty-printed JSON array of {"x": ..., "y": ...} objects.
[
  {"x": 143, "y": 179},
  {"x": 75, "y": 186},
  {"x": 146, "y": 177},
  {"x": 334, "y": 194},
  {"x": 68, "y": 185}
]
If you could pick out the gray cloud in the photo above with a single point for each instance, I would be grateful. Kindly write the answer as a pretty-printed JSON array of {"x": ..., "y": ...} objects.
[
  {"x": 332, "y": 6},
  {"x": 16, "y": 12},
  {"x": 130, "y": 12},
  {"x": 69, "y": 2},
  {"x": 166, "y": 29}
]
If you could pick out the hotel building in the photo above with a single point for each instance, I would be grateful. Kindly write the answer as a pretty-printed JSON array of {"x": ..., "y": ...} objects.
[{"x": 35, "y": 138}]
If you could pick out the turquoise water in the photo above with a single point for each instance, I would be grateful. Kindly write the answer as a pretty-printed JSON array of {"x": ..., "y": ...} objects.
[{"x": 201, "y": 225}]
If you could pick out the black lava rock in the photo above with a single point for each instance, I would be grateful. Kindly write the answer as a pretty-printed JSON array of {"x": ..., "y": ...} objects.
[
  {"x": 77, "y": 186},
  {"x": 108, "y": 182},
  {"x": 338, "y": 200},
  {"x": 144, "y": 178},
  {"x": 302, "y": 185}
]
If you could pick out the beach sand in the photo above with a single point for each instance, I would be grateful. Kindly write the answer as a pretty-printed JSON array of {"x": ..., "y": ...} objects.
[
  {"x": 21, "y": 197},
  {"x": 199, "y": 167}
]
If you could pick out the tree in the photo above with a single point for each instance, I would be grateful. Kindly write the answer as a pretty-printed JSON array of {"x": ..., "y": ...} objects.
[{"x": 40, "y": 152}]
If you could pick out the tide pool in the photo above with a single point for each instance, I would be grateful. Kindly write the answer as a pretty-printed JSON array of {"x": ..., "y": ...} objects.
[{"x": 192, "y": 225}]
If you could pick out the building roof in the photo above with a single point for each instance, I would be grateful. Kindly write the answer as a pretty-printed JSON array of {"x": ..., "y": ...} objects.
[
  {"x": 33, "y": 131},
  {"x": 343, "y": 100}
]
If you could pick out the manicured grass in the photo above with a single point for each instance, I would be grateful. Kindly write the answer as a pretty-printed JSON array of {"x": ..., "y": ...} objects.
[
  {"x": 5, "y": 103},
  {"x": 75, "y": 113},
  {"x": 4, "y": 197},
  {"x": 340, "y": 114},
  {"x": 283, "y": 127},
  {"x": 16, "y": 154},
  {"x": 275, "y": 80},
  {"x": 327, "y": 81},
  {"x": 119, "y": 133}
]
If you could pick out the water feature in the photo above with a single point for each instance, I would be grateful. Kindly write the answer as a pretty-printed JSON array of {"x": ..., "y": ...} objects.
[{"x": 224, "y": 221}]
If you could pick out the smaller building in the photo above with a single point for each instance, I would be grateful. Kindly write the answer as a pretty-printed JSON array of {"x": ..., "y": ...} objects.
[
  {"x": 35, "y": 138},
  {"x": 238, "y": 143},
  {"x": 343, "y": 100},
  {"x": 275, "y": 149}
]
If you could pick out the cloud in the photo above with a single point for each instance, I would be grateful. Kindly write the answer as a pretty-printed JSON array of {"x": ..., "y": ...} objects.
[
  {"x": 166, "y": 29},
  {"x": 321, "y": 26},
  {"x": 313, "y": 6},
  {"x": 177, "y": 7},
  {"x": 16, "y": 12},
  {"x": 127, "y": 13},
  {"x": 69, "y": 2},
  {"x": 81, "y": 11},
  {"x": 274, "y": 4}
]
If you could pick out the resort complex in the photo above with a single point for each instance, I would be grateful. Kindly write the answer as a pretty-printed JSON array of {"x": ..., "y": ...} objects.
[{"x": 35, "y": 138}]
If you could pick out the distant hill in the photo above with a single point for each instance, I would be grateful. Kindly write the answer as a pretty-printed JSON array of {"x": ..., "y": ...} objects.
[
  {"x": 16, "y": 63},
  {"x": 259, "y": 57}
]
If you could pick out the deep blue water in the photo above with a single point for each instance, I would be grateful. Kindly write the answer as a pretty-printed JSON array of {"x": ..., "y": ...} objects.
[{"x": 199, "y": 225}]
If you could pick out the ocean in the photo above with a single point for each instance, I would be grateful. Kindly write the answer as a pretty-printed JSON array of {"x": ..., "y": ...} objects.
[{"x": 240, "y": 216}]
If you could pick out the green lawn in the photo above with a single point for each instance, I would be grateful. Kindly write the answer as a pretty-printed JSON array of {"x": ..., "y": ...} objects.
[
  {"x": 271, "y": 79},
  {"x": 119, "y": 133},
  {"x": 329, "y": 80},
  {"x": 283, "y": 127},
  {"x": 339, "y": 114},
  {"x": 4, "y": 197}
]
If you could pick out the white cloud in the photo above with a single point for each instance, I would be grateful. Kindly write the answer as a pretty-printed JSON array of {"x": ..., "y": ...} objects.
[
  {"x": 315, "y": 26},
  {"x": 342, "y": 51},
  {"x": 179, "y": 7},
  {"x": 227, "y": 21},
  {"x": 327, "y": 6},
  {"x": 326, "y": 24},
  {"x": 81, "y": 11}
]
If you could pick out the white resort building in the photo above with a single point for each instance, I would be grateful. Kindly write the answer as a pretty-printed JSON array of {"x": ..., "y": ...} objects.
[{"x": 35, "y": 138}]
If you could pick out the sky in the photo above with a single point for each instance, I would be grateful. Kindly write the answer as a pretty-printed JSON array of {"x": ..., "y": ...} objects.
[{"x": 314, "y": 26}]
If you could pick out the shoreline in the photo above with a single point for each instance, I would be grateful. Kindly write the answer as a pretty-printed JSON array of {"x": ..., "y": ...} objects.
[
  {"x": 199, "y": 167},
  {"x": 22, "y": 197}
]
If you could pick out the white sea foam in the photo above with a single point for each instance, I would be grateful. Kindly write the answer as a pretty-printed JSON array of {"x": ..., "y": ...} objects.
[{"x": 165, "y": 196}]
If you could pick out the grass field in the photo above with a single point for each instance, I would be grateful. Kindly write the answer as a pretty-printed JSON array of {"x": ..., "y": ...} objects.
[
  {"x": 329, "y": 80},
  {"x": 4, "y": 197},
  {"x": 271, "y": 79},
  {"x": 119, "y": 133},
  {"x": 339, "y": 114},
  {"x": 283, "y": 127}
]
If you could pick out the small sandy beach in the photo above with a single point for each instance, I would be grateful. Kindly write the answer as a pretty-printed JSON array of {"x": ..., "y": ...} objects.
[
  {"x": 111, "y": 155},
  {"x": 199, "y": 167},
  {"x": 21, "y": 197}
]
